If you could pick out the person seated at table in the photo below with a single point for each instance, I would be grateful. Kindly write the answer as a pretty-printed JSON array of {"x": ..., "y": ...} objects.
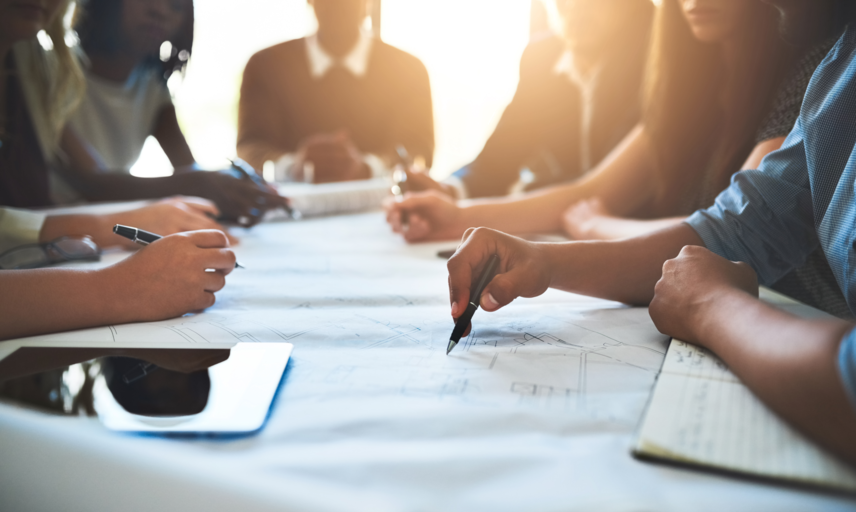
[
  {"x": 710, "y": 108},
  {"x": 39, "y": 89},
  {"x": 126, "y": 98},
  {"x": 577, "y": 98},
  {"x": 657, "y": 167},
  {"x": 334, "y": 106},
  {"x": 700, "y": 277}
]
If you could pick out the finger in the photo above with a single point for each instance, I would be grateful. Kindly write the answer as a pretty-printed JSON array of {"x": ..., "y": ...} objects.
[
  {"x": 208, "y": 238},
  {"x": 214, "y": 281},
  {"x": 418, "y": 228},
  {"x": 221, "y": 260},
  {"x": 460, "y": 268},
  {"x": 504, "y": 288},
  {"x": 200, "y": 205},
  {"x": 204, "y": 300}
]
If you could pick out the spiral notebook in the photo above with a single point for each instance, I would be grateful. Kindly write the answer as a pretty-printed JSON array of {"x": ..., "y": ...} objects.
[{"x": 701, "y": 414}]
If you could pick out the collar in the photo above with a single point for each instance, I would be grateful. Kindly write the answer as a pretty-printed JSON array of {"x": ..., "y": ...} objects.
[
  {"x": 567, "y": 66},
  {"x": 357, "y": 61}
]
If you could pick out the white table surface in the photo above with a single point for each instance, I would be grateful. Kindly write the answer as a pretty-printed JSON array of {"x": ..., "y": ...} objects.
[{"x": 371, "y": 434}]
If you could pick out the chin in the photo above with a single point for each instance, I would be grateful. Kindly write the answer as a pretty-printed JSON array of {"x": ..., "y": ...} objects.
[{"x": 708, "y": 35}]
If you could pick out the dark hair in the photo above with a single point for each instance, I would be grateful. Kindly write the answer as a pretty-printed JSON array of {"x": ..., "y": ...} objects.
[
  {"x": 685, "y": 90},
  {"x": 99, "y": 27}
]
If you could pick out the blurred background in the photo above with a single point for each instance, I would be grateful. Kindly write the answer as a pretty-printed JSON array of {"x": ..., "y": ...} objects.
[{"x": 471, "y": 48}]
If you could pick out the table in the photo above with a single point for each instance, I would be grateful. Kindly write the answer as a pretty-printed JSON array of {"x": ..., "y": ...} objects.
[{"x": 535, "y": 411}]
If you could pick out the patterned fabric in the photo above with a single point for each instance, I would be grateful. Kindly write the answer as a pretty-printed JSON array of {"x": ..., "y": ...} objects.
[
  {"x": 803, "y": 196},
  {"x": 786, "y": 108}
]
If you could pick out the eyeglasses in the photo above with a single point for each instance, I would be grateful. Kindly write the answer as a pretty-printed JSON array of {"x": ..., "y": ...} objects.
[{"x": 58, "y": 251}]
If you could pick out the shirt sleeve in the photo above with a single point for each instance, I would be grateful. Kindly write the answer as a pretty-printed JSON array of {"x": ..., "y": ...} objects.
[
  {"x": 764, "y": 218},
  {"x": 847, "y": 365},
  {"x": 19, "y": 227}
]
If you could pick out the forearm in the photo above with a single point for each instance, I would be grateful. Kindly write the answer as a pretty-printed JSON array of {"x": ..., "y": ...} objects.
[
  {"x": 97, "y": 227},
  {"x": 624, "y": 270},
  {"x": 617, "y": 228},
  {"x": 790, "y": 363},
  {"x": 535, "y": 212},
  {"x": 50, "y": 300},
  {"x": 623, "y": 182}
]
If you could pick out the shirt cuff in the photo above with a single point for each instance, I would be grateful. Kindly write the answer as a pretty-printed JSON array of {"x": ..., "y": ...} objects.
[
  {"x": 19, "y": 227},
  {"x": 847, "y": 365},
  {"x": 284, "y": 168},
  {"x": 377, "y": 165},
  {"x": 457, "y": 184},
  {"x": 703, "y": 224}
]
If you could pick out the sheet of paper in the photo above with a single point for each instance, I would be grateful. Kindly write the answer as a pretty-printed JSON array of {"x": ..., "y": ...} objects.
[
  {"x": 701, "y": 413},
  {"x": 334, "y": 198}
]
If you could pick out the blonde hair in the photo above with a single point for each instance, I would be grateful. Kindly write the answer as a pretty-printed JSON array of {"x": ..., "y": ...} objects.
[{"x": 52, "y": 81}]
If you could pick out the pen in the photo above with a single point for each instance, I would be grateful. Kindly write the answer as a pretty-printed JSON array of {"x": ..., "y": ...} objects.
[
  {"x": 475, "y": 297},
  {"x": 142, "y": 237},
  {"x": 399, "y": 181},
  {"x": 248, "y": 172}
]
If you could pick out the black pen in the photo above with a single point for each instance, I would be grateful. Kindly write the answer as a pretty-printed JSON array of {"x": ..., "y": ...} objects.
[
  {"x": 142, "y": 237},
  {"x": 475, "y": 297},
  {"x": 399, "y": 181},
  {"x": 250, "y": 173}
]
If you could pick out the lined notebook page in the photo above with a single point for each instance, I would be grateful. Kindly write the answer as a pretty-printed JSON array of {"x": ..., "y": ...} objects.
[{"x": 700, "y": 413}]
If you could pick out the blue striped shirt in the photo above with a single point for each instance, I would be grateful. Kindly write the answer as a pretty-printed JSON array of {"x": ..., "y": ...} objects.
[{"x": 802, "y": 196}]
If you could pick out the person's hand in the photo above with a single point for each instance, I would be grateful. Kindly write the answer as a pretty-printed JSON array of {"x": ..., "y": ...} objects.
[
  {"x": 693, "y": 283},
  {"x": 170, "y": 277},
  {"x": 240, "y": 200},
  {"x": 334, "y": 157},
  {"x": 169, "y": 216},
  {"x": 580, "y": 221},
  {"x": 432, "y": 215},
  {"x": 421, "y": 181},
  {"x": 524, "y": 269}
]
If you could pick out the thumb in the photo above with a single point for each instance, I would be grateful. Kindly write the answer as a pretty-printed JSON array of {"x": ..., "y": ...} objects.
[{"x": 503, "y": 289}]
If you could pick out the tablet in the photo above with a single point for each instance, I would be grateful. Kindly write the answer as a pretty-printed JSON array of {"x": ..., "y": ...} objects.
[
  {"x": 231, "y": 397},
  {"x": 178, "y": 391}
]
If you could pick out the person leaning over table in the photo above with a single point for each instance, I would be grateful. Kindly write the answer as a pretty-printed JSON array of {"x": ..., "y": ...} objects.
[
  {"x": 768, "y": 221},
  {"x": 340, "y": 100},
  {"x": 39, "y": 89},
  {"x": 578, "y": 97}
]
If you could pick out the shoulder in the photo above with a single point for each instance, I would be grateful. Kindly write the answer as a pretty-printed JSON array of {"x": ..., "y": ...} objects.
[
  {"x": 542, "y": 53},
  {"x": 278, "y": 53},
  {"x": 392, "y": 56},
  {"x": 789, "y": 98}
]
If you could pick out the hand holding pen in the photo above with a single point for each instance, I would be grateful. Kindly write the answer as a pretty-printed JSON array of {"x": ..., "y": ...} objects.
[
  {"x": 247, "y": 172},
  {"x": 522, "y": 269},
  {"x": 142, "y": 237}
]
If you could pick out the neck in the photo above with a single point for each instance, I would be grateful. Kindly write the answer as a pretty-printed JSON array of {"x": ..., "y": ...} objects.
[
  {"x": 338, "y": 44},
  {"x": 116, "y": 68}
]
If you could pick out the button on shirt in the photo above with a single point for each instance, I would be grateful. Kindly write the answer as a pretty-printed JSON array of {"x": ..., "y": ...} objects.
[{"x": 802, "y": 196}]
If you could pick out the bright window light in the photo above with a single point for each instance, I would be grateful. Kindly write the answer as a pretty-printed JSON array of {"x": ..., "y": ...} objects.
[{"x": 471, "y": 48}]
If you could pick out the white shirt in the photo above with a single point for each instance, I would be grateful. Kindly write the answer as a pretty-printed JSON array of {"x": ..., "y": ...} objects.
[
  {"x": 116, "y": 118},
  {"x": 356, "y": 61}
]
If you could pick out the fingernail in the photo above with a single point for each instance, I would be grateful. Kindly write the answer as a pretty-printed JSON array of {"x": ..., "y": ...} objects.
[
  {"x": 454, "y": 308},
  {"x": 488, "y": 302}
]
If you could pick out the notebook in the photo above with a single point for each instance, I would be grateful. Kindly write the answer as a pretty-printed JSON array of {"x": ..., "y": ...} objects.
[
  {"x": 335, "y": 198},
  {"x": 701, "y": 414}
]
